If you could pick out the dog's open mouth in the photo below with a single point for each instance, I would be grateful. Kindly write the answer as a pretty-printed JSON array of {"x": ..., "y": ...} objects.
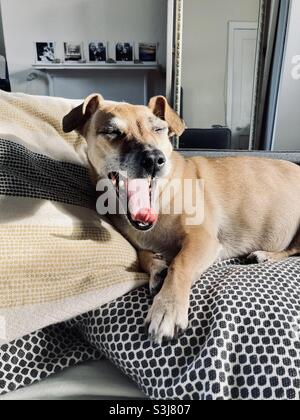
[{"x": 137, "y": 196}]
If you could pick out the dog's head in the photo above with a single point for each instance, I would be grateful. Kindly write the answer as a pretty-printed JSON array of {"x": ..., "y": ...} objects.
[{"x": 130, "y": 145}]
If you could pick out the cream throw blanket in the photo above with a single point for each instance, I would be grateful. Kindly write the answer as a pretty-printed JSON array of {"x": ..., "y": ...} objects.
[{"x": 57, "y": 259}]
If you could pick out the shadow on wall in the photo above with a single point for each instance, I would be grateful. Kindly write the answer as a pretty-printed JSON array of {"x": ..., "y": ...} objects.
[{"x": 33, "y": 83}]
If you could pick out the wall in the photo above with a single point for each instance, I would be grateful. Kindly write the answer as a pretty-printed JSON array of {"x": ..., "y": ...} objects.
[
  {"x": 205, "y": 44},
  {"x": 81, "y": 20},
  {"x": 287, "y": 126},
  {"x": 2, "y": 47}
]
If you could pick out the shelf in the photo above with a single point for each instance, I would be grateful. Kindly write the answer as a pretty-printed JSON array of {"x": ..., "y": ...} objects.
[{"x": 48, "y": 67}]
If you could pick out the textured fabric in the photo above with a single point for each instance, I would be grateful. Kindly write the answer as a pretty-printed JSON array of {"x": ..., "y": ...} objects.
[
  {"x": 243, "y": 341},
  {"x": 57, "y": 259},
  {"x": 90, "y": 380},
  {"x": 27, "y": 174},
  {"x": 38, "y": 355}
]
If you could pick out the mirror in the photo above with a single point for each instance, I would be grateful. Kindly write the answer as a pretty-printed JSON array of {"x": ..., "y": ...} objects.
[{"x": 218, "y": 62}]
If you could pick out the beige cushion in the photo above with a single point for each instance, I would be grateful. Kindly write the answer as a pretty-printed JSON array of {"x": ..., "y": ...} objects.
[{"x": 57, "y": 259}]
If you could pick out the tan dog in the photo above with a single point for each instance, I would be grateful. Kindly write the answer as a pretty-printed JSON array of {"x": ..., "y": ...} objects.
[{"x": 251, "y": 206}]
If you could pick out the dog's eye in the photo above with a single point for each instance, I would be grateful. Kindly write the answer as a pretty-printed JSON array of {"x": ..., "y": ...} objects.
[
  {"x": 109, "y": 133},
  {"x": 160, "y": 130}
]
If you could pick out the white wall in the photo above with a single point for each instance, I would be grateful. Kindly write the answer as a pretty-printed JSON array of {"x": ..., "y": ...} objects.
[
  {"x": 27, "y": 21},
  {"x": 205, "y": 44}
]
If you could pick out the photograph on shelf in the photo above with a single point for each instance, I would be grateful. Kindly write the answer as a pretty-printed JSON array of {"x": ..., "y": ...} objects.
[
  {"x": 98, "y": 51},
  {"x": 124, "y": 52},
  {"x": 45, "y": 52},
  {"x": 148, "y": 52},
  {"x": 73, "y": 52}
]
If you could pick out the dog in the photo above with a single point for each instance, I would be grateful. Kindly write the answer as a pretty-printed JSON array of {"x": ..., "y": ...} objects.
[{"x": 251, "y": 206}]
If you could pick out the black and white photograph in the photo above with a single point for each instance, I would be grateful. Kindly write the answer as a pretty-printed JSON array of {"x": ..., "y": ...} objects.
[
  {"x": 45, "y": 52},
  {"x": 148, "y": 52},
  {"x": 124, "y": 52},
  {"x": 73, "y": 51},
  {"x": 97, "y": 51}
]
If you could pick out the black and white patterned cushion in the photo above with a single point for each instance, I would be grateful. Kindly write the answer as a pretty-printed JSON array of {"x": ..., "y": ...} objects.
[
  {"x": 243, "y": 341},
  {"x": 41, "y": 354}
]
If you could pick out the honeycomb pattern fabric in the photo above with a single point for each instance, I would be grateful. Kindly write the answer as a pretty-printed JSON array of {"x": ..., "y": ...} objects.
[
  {"x": 243, "y": 341},
  {"x": 41, "y": 354}
]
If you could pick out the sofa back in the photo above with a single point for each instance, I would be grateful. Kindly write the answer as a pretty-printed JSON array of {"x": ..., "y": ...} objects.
[{"x": 290, "y": 156}]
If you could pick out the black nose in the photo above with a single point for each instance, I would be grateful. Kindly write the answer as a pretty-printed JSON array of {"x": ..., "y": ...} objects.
[{"x": 153, "y": 161}]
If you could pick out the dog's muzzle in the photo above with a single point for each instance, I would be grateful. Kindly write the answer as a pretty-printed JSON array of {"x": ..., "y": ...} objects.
[{"x": 139, "y": 187}]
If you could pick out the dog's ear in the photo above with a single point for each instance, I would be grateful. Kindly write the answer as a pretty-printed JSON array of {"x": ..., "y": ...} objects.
[
  {"x": 79, "y": 116},
  {"x": 160, "y": 107}
]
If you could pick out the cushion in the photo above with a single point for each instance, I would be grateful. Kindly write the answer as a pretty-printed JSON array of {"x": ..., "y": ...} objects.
[
  {"x": 243, "y": 340},
  {"x": 57, "y": 258}
]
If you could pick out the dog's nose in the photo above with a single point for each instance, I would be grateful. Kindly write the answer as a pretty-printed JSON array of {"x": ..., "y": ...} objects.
[{"x": 153, "y": 161}]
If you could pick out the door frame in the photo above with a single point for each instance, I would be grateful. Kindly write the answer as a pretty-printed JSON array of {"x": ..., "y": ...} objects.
[{"x": 232, "y": 27}]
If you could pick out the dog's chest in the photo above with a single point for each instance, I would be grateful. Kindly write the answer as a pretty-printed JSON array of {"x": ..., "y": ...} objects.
[{"x": 163, "y": 239}]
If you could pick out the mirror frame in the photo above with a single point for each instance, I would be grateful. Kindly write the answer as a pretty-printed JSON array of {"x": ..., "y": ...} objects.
[{"x": 174, "y": 61}]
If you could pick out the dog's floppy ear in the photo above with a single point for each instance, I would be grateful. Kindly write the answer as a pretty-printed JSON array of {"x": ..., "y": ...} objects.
[
  {"x": 160, "y": 107},
  {"x": 77, "y": 118}
]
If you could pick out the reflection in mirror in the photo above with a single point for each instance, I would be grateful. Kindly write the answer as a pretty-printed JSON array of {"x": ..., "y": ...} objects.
[{"x": 219, "y": 43}]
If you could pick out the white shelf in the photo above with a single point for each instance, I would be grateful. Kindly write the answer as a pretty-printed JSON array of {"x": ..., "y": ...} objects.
[{"x": 144, "y": 67}]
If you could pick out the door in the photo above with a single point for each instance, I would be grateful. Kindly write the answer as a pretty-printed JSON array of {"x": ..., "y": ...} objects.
[{"x": 240, "y": 83}]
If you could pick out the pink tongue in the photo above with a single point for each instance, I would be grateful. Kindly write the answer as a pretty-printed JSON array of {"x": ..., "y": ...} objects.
[{"x": 139, "y": 203}]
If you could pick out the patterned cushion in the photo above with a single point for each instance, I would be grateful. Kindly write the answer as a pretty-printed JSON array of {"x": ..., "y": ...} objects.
[{"x": 243, "y": 341}]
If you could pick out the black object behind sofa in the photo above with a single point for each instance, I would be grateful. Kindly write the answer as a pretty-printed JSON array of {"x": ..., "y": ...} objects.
[{"x": 211, "y": 138}]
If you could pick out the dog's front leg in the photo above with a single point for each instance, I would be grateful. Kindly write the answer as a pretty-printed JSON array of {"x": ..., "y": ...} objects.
[{"x": 168, "y": 315}]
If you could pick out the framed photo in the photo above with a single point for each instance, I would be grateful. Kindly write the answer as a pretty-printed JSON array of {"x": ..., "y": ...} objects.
[
  {"x": 45, "y": 52},
  {"x": 124, "y": 52},
  {"x": 98, "y": 51},
  {"x": 73, "y": 52},
  {"x": 148, "y": 52}
]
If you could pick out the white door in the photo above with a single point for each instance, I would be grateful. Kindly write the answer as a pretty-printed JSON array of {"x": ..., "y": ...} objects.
[{"x": 240, "y": 83}]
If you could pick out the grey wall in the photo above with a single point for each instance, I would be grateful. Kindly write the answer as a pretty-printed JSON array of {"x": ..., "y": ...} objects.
[
  {"x": 29, "y": 21},
  {"x": 287, "y": 126},
  {"x": 205, "y": 41},
  {"x": 2, "y": 46}
]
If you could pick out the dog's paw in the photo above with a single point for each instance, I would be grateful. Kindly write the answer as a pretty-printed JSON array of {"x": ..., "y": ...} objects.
[
  {"x": 167, "y": 319},
  {"x": 264, "y": 257}
]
